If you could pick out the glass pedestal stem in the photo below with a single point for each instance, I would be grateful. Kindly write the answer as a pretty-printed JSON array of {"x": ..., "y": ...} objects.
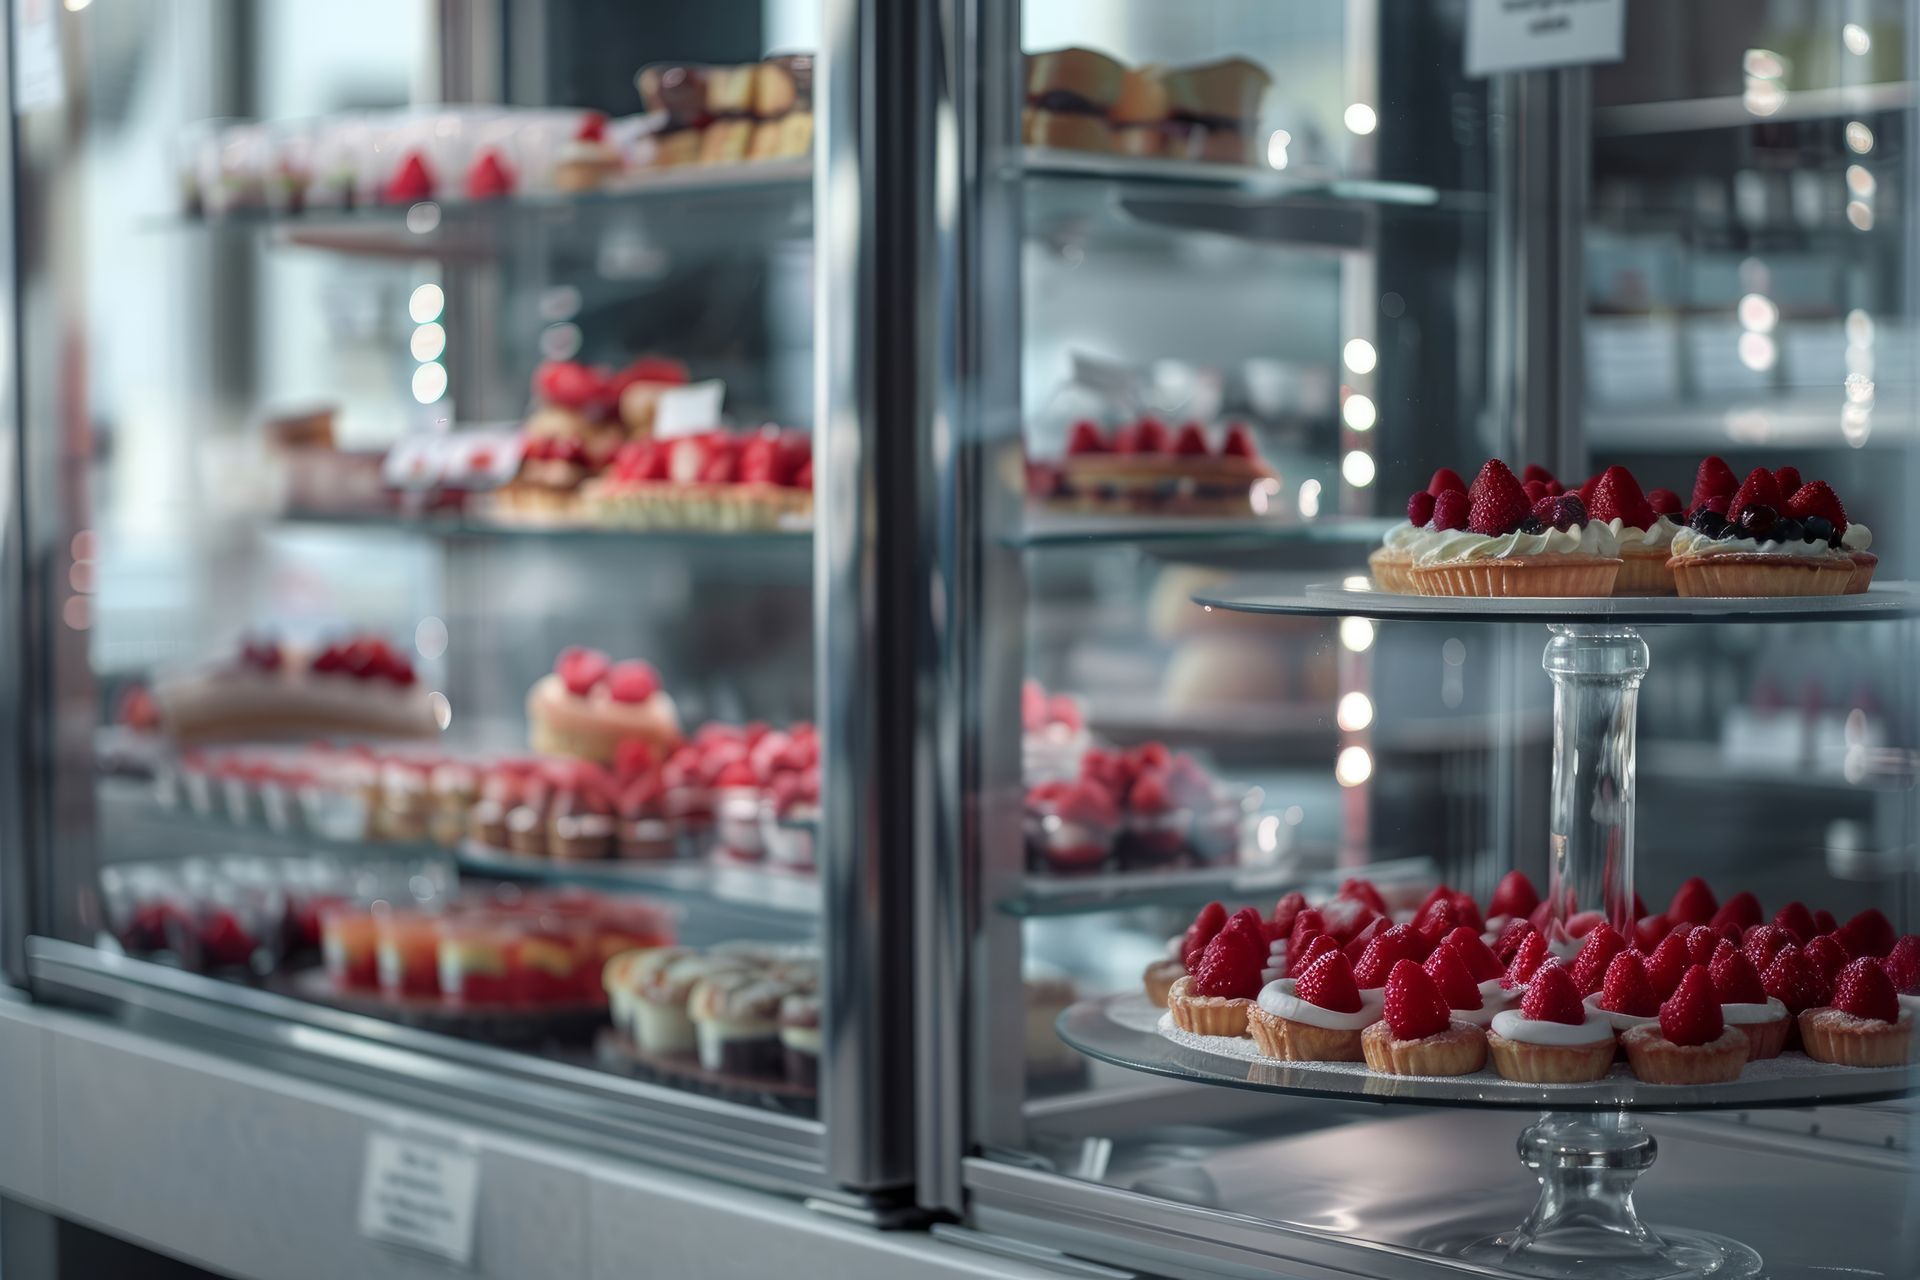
[{"x": 1596, "y": 670}]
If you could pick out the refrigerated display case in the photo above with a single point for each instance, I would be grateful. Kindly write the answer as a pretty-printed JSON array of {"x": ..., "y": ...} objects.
[{"x": 1408, "y": 268}]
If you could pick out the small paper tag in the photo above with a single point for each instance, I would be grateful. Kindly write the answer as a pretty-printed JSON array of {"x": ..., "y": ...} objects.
[
  {"x": 420, "y": 1192},
  {"x": 689, "y": 410},
  {"x": 1527, "y": 35}
]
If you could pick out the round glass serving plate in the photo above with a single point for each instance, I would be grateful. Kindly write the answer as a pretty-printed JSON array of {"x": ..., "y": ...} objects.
[
  {"x": 1125, "y": 1030},
  {"x": 1356, "y": 596}
]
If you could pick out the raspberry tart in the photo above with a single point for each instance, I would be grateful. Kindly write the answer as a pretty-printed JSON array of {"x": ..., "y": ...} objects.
[
  {"x": 1772, "y": 542},
  {"x": 1416, "y": 1035},
  {"x": 1317, "y": 1017},
  {"x": 1626, "y": 996},
  {"x": 1494, "y": 542},
  {"x": 1214, "y": 998},
  {"x": 1691, "y": 1043},
  {"x": 1550, "y": 1038},
  {"x": 1746, "y": 1006},
  {"x": 1865, "y": 1026},
  {"x": 1644, "y": 534}
]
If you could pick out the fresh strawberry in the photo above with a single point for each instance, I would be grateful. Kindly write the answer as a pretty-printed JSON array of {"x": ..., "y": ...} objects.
[
  {"x": 1274, "y": 932},
  {"x": 1587, "y": 486},
  {"x": 1451, "y": 510},
  {"x": 1318, "y": 945},
  {"x": 1648, "y": 930},
  {"x": 1596, "y": 953},
  {"x": 1701, "y": 940},
  {"x": 1736, "y": 980},
  {"x": 1617, "y": 497},
  {"x": 1793, "y": 980},
  {"x": 1526, "y": 961},
  {"x": 1288, "y": 909},
  {"x": 1211, "y": 920},
  {"x": 1551, "y": 998},
  {"x": 1362, "y": 889},
  {"x": 1714, "y": 479},
  {"x": 1238, "y": 443},
  {"x": 1449, "y": 972},
  {"x": 1467, "y": 913},
  {"x": 1664, "y": 501},
  {"x": 1086, "y": 438},
  {"x": 1797, "y": 920},
  {"x": 1757, "y": 490},
  {"x": 1328, "y": 984},
  {"x": 488, "y": 176},
  {"x": 1305, "y": 924},
  {"x": 1434, "y": 923},
  {"x": 1346, "y": 917},
  {"x": 1667, "y": 963},
  {"x": 1627, "y": 989},
  {"x": 1191, "y": 442},
  {"x": 1691, "y": 1014},
  {"x": 1582, "y": 923},
  {"x": 1534, "y": 473},
  {"x": 1536, "y": 491},
  {"x": 411, "y": 183},
  {"x": 1420, "y": 508},
  {"x": 1787, "y": 480},
  {"x": 632, "y": 681},
  {"x": 1514, "y": 896},
  {"x": 1446, "y": 480},
  {"x": 1497, "y": 503},
  {"x": 1826, "y": 956},
  {"x": 1151, "y": 436},
  {"x": 1742, "y": 909},
  {"x": 1481, "y": 963},
  {"x": 1693, "y": 903},
  {"x": 1356, "y": 946},
  {"x": 1397, "y": 943},
  {"x": 1868, "y": 934},
  {"x": 1555, "y": 488},
  {"x": 1415, "y": 1009},
  {"x": 1541, "y": 917},
  {"x": 1864, "y": 990},
  {"x": 581, "y": 669},
  {"x": 1765, "y": 941},
  {"x": 1823, "y": 922},
  {"x": 1818, "y": 499},
  {"x": 1507, "y": 945},
  {"x": 1903, "y": 965},
  {"x": 1064, "y": 710},
  {"x": 1231, "y": 964}
]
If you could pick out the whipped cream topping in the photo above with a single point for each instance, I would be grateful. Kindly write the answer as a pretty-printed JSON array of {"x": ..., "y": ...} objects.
[
  {"x": 1277, "y": 998},
  {"x": 1656, "y": 536},
  {"x": 1589, "y": 539},
  {"x": 1621, "y": 1021},
  {"x": 1407, "y": 537},
  {"x": 1494, "y": 1000},
  {"x": 1736, "y": 1015},
  {"x": 1691, "y": 543},
  {"x": 1515, "y": 1025}
]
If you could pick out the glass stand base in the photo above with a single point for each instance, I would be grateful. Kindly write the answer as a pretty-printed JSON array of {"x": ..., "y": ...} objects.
[{"x": 1585, "y": 1227}]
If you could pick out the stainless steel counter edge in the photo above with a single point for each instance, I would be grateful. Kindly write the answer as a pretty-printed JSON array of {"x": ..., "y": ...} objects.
[{"x": 257, "y": 1174}]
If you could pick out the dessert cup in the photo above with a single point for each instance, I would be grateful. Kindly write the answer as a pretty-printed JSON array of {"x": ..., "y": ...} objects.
[
  {"x": 1459, "y": 1049},
  {"x": 1291, "y": 1041},
  {"x": 1560, "y": 1053},
  {"x": 1834, "y": 1035},
  {"x": 1658, "y": 1060},
  {"x": 1206, "y": 1015}
]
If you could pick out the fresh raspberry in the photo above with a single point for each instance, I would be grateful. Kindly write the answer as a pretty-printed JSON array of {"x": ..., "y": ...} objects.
[
  {"x": 1288, "y": 909},
  {"x": 1826, "y": 956},
  {"x": 1415, "y": 1008},
  {"x": 1742, "y": 909},
  {"x": 1627, "y": 989},
  {"x": 1757, "y": 490},
  {"x": 1793, "y": 980},
  {"x": 1507, "y": 945},
  {"x": 1545, "y": 507},
  {"x": 1648, "y": 930},
  {"x": 1868, "y": 934},
  {"x": 1903, "y": 965},
  {"x": 1318, "y": 945},
  {"x": 1568, "y": 511},
  {"x": 1446, "y": 480},
  {"x": 1536, "y": 491},
  {"x": 1864, "y": 990},
  {"x": 1481, "y": 963},
  {"x": 1693, "y": 903},
  {"x": 1450, "y": 510},
  {"x": 1191, "y": 442},
  {"x": 1362, "y": 889},
  {"x": 1551, "y": 998},
  {"x": 1305, "y": 925},
  {"x": 1667, "y": 964},
  {"x": 1823, "y": 922},
  {"x": 1526, "y": 961},
  {"x": 1152, "y": 436},
  {"x": 1617, "y": 497},
  {"x": 1691, "y": 1014},
  {"x": 1787, "y": 480},
  {"x": 1701, "y": 941},
  {"x": 1664, "y": 501},
  {"x": 581, "y": 669},
  {"x": 1797, "y": 920},
  {"x": 1765, "y": 941},
  {"x": 1497, "y": 503},
  {"x": 1596, "y": 953},
  {"x": 1466, "y": 912},
  {"x": 1735, "y": 978},
  {"x": 1419, "y": 508},
  {"x": 1086, "y": 438},
  {"x": 1210, "y": 920},
  {"x": 1515, "y": 896},
  {"x": 1238, "y": 443},
  {"x": 1231, "y": 965},
  {"x": 1356, "y": 946},
  {"x": 1397, "y": 943},
  {"x": 1328, "y": 984},
  {"x": 1818, "y": 499},
  {"x": 1450, "y": 974},
  {"x": 1714, "y": 479},
  {"x": 632, "y": 681},
  {"x": 1534, "y": 473}
]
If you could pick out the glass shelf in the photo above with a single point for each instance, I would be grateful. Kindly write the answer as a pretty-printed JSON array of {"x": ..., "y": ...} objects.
[
  {"x": 1068, "y": 895},
  {"x": 754, "y": 887},
  {"x": 1640, "y": 118},
  {"x": 1061, "y": 530},
  {"x": 755, "y": 541},
  {"x": 1120, "y": 1030},
  {"x": 1296, "y": 596}
]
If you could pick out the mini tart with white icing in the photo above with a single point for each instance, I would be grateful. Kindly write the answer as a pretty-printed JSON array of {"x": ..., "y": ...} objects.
[
  {"x": 1581, "y": 560},
  {"x": 1550, "y": 1038},
  {"x": 1287, "y": 1025},
  {"x": 1706, "y": 566},
  {"x": 1764, "y": 1025},
  {"x": 1867, "y": 1025},
  {"x": 1643, "y": 557}
]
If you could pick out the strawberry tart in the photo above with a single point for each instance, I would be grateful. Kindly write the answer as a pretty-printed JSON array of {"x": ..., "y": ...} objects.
[
  {"x": 1491, "y": 541},
  {"x": 1865, "y": 1026},
  {"x": 587, "y": 705},
  {"x": 728, "y": 481},
  {"x": 1392, "y": 563},
  {"x": 361, "y": 686},
  {"x": 1626, "y": 998},
  {"x": 1321, "y": 1016},
  {"x": 1690, "y": 1042},
  {"x": 1214, "y": 998},
  {"x": 1772, "y": 536},
  {"x": 1418, "y": 1034},
  {"x": 1551, "y": 1038},
  {"x": 1641, "y": 526},
  {"x": 1745, "y": 1005},
  {"x": 1143, "y": 467}
]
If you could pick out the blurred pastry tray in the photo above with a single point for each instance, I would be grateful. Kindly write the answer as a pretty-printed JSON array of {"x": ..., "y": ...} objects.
[
  {"x": 614, "y": 1050},
  {"x": 570, "y": 1023}
]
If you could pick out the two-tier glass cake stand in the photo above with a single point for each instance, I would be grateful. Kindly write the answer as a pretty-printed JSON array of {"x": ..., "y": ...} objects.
[{"x": 1586, "y": 1148}]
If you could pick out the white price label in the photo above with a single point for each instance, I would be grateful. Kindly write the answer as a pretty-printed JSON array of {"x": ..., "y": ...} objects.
[
  {"x": 420, "y": 1192},
  {"x": 689, "y": 410},
  {"x": 1527, "y": 35}
]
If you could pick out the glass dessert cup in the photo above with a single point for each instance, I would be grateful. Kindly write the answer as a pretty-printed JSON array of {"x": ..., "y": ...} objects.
[
  {"x": 406, "y": 954},
  {"x": 1156, "y": 839},
  {"x": 1066, "y": 847},
  {"x": 737, "y": 829},
  {"x": 348, "y": 947}
]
